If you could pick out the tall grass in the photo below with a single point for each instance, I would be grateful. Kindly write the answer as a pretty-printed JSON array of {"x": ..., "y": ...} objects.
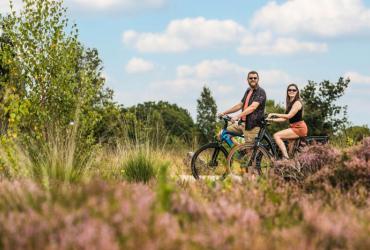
[
  {"x": 53, "y": 162},
  {"x": 140, "y": 167}
]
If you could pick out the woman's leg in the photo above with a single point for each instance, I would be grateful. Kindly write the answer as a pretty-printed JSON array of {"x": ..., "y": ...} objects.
[
  {"x": 291, "y": 146},
  {"x": 285, "y": 134}
]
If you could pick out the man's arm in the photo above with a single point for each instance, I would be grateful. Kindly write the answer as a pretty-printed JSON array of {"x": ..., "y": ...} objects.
[
  {"x": 250, "y": 109},
  {"x": 233, "y": 109}
]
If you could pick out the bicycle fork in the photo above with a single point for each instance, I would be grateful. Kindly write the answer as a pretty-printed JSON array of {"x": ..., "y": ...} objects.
[{"x": 214, "y": 162}]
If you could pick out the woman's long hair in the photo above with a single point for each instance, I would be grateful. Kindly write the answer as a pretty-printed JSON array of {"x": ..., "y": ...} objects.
[{"x": 289, "y": 103}]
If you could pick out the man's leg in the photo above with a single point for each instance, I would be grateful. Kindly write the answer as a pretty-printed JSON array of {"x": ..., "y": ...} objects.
[
  {"x": 250, "y": 135},
  {"x": 235, "y": 129}
]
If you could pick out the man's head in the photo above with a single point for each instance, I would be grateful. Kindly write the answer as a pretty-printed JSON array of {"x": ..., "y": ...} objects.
[{"x": 252, "y": 79}]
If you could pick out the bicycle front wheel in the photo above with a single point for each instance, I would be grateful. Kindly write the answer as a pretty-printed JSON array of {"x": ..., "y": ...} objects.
[
  {"x": 209, "y": 161},
  {"x": 247, "y": 158}
]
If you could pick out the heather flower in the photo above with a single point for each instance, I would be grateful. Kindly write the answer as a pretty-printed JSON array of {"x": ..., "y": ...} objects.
[
  {"x": 186, "y": 205},
  {"x": 310, "y": 160}
]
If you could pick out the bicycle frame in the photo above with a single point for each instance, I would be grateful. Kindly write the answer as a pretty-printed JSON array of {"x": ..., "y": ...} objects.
[
  {"x": 270, "y": 145},
  {"x": 226, "y": 135}
]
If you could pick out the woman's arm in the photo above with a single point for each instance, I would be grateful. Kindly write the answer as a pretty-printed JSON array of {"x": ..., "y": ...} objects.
[
  {"x": 276, "y": 119},
  {"x": 296, "y": 107}
]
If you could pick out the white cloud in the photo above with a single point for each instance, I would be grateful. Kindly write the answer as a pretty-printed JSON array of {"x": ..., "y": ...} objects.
[
  {"x": 210, "y": 69},
  {"x": 226, "y": 79},
  {"x": 139, "y": 65},
  {"x": 114, "y": 5},
  {"x": 151, "y": 42},
  {"x": 191, "y": 33},
  {"x": 320, "y": 17},
  {"x": 264, "y": 43},
  {"x": 213, "y": 73},
  {"x": 356, "y": 77},
  {"x": 182, "y": 35}
]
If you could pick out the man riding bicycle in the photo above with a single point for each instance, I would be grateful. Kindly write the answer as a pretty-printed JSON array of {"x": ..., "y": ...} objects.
[{"x": 252, "y": 106}]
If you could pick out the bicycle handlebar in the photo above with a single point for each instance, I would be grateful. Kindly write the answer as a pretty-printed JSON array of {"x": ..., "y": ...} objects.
[{"x": 226, "y": 118}]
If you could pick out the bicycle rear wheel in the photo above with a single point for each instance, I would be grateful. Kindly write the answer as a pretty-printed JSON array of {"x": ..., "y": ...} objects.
[
  {"x": 209, "y": 161},
  {"x": 247, "y": 158}
]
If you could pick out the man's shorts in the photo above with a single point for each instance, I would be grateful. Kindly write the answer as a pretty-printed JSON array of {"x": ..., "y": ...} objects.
[{"x": 249, "y": 135}]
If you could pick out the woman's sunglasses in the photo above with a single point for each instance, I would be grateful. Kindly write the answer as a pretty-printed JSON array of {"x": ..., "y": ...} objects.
[{"x": 292, "y": 90}]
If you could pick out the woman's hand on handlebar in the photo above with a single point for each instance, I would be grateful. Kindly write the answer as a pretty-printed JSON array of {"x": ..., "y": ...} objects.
[{"x": 271, "y": 117}]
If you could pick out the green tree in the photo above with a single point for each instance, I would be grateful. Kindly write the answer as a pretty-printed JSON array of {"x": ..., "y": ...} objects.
[
  {"x": 206, "y": 115},
  {"x": 158, "y": 123},
  {"x": 321, "y": 113},
  {"x": 356, "y": 133},
  {"x": 12, "y": 85},
  {"x": 52, "y": 70},
  {"x": 161, "y": 119}
]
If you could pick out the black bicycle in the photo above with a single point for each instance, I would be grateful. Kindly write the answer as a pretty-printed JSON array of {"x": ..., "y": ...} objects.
[
  {"x": 210, "y": 160},
  {"x": 214, "y": 161},
  {"x": 259, "y": 156}
]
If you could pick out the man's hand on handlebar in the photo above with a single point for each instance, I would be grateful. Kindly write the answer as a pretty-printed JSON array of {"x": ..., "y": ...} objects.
[
  {"x": 234, "y": 119},
  {"x": 223, "y": 116},
  {"x": 220, "y": 115}
]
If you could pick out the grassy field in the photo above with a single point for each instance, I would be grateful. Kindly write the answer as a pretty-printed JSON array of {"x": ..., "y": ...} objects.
[{"x": 133, "y": 198}]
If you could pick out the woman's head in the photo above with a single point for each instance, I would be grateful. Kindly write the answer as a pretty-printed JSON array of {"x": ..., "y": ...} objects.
[{"x": 292, "y": 95}]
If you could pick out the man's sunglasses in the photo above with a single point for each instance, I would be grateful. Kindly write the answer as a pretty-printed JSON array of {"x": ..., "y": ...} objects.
[
  {"x": 292, "y": 90},
  {"x": 253, "y": 78}
]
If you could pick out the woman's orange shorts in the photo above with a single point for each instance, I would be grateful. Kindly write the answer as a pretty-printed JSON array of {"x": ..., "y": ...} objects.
[{"x": 300, "y": 128}]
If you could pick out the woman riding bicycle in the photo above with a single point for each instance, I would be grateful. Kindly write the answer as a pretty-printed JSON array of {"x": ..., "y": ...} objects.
[{"x": 294, "y": 113}]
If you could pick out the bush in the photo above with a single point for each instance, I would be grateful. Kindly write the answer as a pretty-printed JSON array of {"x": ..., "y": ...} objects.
[
  {"x": 352, "y": 169},
  {"x": 140, "y": 167},
  {"x": 308, "y": 162}
]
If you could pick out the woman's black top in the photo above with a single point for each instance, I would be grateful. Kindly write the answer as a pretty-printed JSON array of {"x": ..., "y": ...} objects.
[{"x": 298, "y": 116}]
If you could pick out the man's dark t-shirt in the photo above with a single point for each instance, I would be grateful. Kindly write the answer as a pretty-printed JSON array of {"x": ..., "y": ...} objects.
[{"x": 253, "y": 119}]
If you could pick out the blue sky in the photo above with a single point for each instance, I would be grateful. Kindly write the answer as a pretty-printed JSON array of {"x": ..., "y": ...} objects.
[{"x": 168, "y": 49}]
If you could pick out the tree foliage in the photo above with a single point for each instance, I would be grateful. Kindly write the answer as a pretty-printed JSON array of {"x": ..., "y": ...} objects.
[
  {"x": 321, "y": 113},
  {"x": 164, "y": 119},
  {"x": 50, "y": 69},
  {"x": 159, "y": 123},
  {"x": 352, "y": 135},
  {"x": 206, "y": 115}
]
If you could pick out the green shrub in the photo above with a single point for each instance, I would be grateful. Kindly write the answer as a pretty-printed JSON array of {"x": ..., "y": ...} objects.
[{"x": 140, "y": 167}]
